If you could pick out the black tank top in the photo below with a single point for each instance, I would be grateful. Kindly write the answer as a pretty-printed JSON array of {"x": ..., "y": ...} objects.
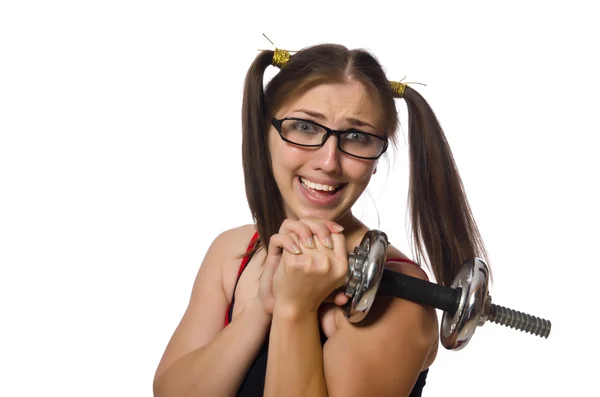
[{"x": 253, "y": 384}]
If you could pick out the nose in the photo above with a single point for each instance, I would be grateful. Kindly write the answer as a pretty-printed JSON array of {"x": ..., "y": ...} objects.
[{"x": 327, "y": 157}]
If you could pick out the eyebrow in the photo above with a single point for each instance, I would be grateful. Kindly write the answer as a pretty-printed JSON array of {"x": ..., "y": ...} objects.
[{"x": 353, "y": 121}]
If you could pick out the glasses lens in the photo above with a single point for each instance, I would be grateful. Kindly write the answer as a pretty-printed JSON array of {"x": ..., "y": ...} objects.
[
  {"x": 361, "y": 144},
  {"x": 302, "y": 132}
]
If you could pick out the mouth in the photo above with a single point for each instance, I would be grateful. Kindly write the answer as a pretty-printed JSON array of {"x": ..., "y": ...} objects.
[
  {"x": 318, "y": 192},
  {"x": 319, "y": 186}
]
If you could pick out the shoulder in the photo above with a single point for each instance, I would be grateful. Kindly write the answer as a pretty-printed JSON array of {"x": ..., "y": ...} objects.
[
  {"x": 235, "y": 238},
  {"x": 203, "y": 318},
  {"x": 227, "y": 251},
  {"x": 399, "y": 262},
  {"x": 223, "y": 255},
  {"x": 230, "y": 245},
  {"x": 396, "y": 334}
]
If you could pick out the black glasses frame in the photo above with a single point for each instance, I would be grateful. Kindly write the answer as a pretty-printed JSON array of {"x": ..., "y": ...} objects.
[{"x": 277, "y": 123}]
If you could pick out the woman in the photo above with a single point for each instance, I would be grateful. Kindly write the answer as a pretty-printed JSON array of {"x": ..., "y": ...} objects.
[{"x": 311, "y": 142}]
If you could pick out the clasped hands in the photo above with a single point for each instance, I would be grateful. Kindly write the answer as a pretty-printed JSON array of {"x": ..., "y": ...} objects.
[{"x": 306, "y": 263}]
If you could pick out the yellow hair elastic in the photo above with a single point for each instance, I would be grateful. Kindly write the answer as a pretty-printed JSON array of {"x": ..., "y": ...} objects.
[
  {"x": 398, "y": 88},
  {"x": 280, "y": 57}
]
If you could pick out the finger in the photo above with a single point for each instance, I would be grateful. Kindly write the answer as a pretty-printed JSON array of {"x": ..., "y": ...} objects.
[
  {"x": 300, "y": 229},
  {"x": 280, "y": 242},
  {"x": 334, "y": 297},
  {"x": 340, "y": 299},
  {"x": 339, "y": 246},
  {"x": 333, "y": 226},
  {"x": 296, "y": 239},
  {"x": 277, "y": 244},
  {"x": 329, "y": 299},
  {"x": 322, "y": 230},
  {"x": 293, "y": 236},
  {"x": 341, "y": 255}
]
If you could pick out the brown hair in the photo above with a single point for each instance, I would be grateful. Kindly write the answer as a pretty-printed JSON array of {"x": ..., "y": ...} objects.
[{"x": 444, "y": 231}]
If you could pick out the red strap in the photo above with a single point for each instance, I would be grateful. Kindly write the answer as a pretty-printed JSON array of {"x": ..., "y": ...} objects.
[
  {"x": 245, "y": 261},
  {"x": 406, "y": 261},
  {"x": 247, "y": 258}
]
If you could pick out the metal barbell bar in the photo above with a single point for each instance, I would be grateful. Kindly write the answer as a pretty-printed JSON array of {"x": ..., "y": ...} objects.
[{"x": 466, "y": 303}]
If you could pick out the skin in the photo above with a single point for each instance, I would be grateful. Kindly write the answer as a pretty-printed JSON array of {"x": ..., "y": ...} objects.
[
  {"x": 283, "y": 292},
  {"x": 336, "y": 103},
  {"x": 304, "y": 278}
]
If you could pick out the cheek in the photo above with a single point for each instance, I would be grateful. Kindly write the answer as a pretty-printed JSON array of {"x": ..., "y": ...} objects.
[
  {"x": 359, "y": 172},
  {"x": 274, "y": 150},
  {"x": 284, "y": 156}
]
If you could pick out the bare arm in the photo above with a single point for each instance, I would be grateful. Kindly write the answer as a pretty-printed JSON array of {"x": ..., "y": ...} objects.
[
  {"x": 295, "y": 364},
  {"x": 202, "y": 358},
  {"x": 382, "y": 356}
]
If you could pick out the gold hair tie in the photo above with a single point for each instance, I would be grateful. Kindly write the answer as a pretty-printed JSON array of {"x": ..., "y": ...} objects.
[
  {"x": 280, "y": 57},
  {"x": 398, "y": 88}
]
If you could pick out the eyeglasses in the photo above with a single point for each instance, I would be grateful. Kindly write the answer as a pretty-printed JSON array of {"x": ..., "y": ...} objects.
[{"x": 310, "y": 134}]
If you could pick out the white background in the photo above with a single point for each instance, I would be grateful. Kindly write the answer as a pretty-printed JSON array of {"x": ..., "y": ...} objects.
[{"x": 119, "y": 163}]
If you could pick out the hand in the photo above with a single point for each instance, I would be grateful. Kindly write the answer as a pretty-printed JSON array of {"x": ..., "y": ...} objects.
[
  {"x": 289, "y": 240},
  {"x": 303, "y": 281}
]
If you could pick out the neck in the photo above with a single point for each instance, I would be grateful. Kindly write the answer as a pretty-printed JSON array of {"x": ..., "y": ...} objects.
[{"x": 354, "y": 230}]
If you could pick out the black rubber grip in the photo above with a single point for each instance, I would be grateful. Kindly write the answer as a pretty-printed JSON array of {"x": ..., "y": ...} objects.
[{"x": 419, "y": 291}]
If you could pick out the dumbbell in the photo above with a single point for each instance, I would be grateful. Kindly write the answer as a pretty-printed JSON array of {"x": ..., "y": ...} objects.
[{"x": 466, "y": 303}]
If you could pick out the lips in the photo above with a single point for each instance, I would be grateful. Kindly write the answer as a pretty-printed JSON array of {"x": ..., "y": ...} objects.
[
  {"x": 322, "y": 187},
  {"x": 320, "y": 197}
]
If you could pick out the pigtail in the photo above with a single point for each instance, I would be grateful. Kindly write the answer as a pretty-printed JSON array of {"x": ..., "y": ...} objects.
[
  {"x": 445, "y": 234},
  {"x": 441, "y": 218},
  {"x": 264, "y": 198}
]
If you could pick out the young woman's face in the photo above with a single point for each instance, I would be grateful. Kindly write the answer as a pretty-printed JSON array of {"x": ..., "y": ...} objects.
[{"x": 324, "y": 182}]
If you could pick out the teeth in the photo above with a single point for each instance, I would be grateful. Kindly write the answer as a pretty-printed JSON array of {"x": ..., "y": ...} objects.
[{"x": 318, "y": 186}]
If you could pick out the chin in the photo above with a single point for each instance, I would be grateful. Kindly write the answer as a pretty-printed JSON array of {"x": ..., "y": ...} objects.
[
  {"x": 299, "y": 208},
  {"x": 332, "y": 214}
]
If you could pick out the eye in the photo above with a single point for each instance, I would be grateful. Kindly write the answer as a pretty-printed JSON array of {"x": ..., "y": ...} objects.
[
  {"x": 357, "y": 137},
  {"x": 304, "y": 126}
]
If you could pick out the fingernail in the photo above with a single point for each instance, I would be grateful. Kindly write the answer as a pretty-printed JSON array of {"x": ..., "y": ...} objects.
[
  {"x": 296, "y": 249},
  {"x": 310, "y": 242},
  {"x": 328, "y": 242},
  {"x": 338, "y": 228}
]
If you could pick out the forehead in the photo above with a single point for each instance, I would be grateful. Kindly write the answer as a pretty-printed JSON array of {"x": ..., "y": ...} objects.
[{"x": 337, "y": 102}]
